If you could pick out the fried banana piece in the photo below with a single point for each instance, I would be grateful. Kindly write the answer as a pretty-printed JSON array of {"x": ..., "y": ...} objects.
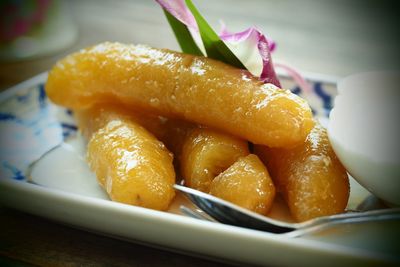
[
  {"x": 311, "y": 178},
  {"x": 206, "y": 153},
  {"x": 198, "y": 89},
  {"x": 173, "y": 132},
  {"x": 92, "y": 119},
  {"x": 246, "y": 183},
  {"x": 129, "y": 162}
]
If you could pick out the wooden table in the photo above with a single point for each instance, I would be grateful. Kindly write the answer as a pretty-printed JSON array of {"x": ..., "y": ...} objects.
[
  {"x": 27, "y": 240},
  {"x": 331, "y": 37}
]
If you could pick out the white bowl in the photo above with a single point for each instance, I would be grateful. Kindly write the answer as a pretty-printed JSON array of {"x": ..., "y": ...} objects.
[{"x": 364, "y": 131}]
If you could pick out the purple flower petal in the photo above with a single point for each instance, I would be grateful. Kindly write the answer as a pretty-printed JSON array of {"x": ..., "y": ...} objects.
[
  {"x": 243, "y": 44},
  {"x": 296, "y": 76},
  {"x": 230, "y": 36},
  {"x": 179, "y": 10},
  {"x": 268, "y": 74},
  {"x": 251, "y": 47}
]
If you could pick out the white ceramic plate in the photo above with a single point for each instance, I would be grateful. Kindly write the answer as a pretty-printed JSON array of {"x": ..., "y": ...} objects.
[{"x": 65, "y": 190}]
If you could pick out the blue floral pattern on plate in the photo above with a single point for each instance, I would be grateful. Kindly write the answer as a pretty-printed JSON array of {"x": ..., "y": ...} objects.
[{"x": 31, "y": 125}]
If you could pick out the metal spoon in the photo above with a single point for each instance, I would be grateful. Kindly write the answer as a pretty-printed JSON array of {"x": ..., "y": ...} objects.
[{"x": 228, "y": 213}]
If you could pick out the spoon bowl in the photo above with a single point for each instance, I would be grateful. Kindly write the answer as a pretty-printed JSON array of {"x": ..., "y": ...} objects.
[{"x": 228, "y": 213}]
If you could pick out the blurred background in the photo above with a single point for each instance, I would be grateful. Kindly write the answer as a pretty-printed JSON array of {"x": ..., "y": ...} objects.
[{"x": 335, "y": 38}]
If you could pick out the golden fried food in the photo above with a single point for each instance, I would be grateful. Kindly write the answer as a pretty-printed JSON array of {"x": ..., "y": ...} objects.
[
  {"x": 174, "y": 133},
  {"x": 206, "y": 153},
  {"x": 91, "y": 119},
  {"x": 246, "y": 183},
  {"x": 130, "y": 163},
  {"x": 312, "y": 180},
  {"x": 172, "y": 84}
]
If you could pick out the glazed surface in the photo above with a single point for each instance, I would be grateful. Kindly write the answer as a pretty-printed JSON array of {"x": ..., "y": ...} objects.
[{"x": 173, "y": 84}]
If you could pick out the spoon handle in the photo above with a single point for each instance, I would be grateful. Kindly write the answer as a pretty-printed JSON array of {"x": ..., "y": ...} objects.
[{"x": 321, "y": 223}]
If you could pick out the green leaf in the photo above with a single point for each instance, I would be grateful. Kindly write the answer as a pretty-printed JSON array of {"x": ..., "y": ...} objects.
[
  {"x": 182, "y": 34},
  {"x": 214, "y": 46}
]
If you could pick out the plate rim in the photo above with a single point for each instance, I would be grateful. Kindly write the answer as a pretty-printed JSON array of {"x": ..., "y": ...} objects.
[{"x": 16, "y": 188}]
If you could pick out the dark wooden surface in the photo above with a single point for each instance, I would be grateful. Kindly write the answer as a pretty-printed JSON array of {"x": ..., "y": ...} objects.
[
  {"x": 27, "y": 240},
  {"x": 331, "y": 37}
]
